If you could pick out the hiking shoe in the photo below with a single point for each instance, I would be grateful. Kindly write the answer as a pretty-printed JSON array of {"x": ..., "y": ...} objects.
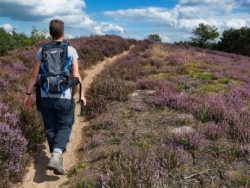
[{"x": 56, "y": 164}]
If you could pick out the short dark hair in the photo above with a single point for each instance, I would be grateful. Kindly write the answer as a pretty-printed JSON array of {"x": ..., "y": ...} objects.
[{"x": 56, "y": 28}]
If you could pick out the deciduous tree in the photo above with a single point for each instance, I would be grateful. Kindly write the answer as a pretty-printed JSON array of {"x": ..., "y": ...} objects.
[
  {"x": 204, "y": 34},
  {"x": 154, "y": 37}
]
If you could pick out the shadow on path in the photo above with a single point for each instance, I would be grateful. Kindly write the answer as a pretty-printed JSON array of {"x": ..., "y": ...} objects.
[{"x": 41, "y": 174}]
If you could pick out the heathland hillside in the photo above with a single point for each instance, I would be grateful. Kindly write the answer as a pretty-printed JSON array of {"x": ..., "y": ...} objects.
[{"x": 164, "y": 115}]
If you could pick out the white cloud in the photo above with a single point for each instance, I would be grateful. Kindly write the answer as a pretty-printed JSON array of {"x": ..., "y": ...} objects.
[
  {"x": 59, "y": 7},
  {"x": 186, "y": 16},
  {"x": 138, "y": 23},
  {"x": 182, "y": 15},
  {"x": 45, "y": 7},
  {"x": 151, "y": 14},
  {"x": 164, "y": 38},
  {"x": 38, "y": 10},
  {"x": 235, "y": 23},
  {"x": 7, "y": 27},
  {"x": 70, "y": 11},
  {"x": 107, "y": 28},
  {"x": 190, "y": 24},
  {"x": 77, "y": 21},
  {"x": 205, "y": 8}
]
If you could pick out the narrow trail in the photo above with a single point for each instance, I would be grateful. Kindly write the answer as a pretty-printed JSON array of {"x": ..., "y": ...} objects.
[{"x": 37, "y": 175}]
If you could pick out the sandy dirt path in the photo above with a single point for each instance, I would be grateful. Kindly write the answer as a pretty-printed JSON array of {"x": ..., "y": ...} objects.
[{"x": 37, "y": 175}]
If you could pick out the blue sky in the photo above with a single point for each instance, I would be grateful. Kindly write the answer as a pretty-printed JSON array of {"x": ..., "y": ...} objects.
[{"x": 172, "y": 20}]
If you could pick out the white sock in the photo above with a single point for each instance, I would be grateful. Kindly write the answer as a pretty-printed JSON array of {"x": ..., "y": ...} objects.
[{"x": 57, "y": 150}]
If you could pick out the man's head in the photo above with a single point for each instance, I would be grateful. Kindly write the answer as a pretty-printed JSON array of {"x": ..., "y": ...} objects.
[{"x": 56, "y": 28}]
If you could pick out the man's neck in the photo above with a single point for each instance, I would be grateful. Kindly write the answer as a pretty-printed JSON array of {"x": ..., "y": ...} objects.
[{"x": 59, "y": 40}]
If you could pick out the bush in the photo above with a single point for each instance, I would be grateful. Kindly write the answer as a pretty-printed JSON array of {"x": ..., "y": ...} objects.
[
  {"x": 13, "y": 146},
  {"x": 32, "y": 129},
  {"x": 133, "y": 167}
]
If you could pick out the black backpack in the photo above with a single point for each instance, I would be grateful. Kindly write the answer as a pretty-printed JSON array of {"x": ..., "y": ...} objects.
[{"x": 56, "y": 69}]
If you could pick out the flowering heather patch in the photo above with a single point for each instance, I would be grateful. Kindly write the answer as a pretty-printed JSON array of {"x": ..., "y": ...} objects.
[
  {"x": 91, "y": 54},
  {"x": 245, "y": 150},
  {"x": 3, "y": 83},
  {"x": 185, "y": 83},
  {"x": 188, "y": 138},
  {"x": 137, "y": 106},
  {"x": 156, "y": 62},
  {"x": 27, "y": 55},
  {"x": 238, "y": 72},
  {"x": 234, "y": 96},
  {"x": 244, "y": 91},
  {"x": 216, "y": 107},
  {"x": 241, "y": 132},
  {"x": 147, "y": 70},
  {"x": 13, "y": 146},
  {"x": 77, "y": 43},
  {"x": 175, "y": 59},
  {"x": 6, "y": 116},
  {"x": 97, "y": 104},
  {"x": 135, "y": 168},
  {"x": 94, "y": 141},
  {"x": 213, "y": 109},
  {"x": 13, "y": 160},
  {"x": 12, "y": 77},
  {"x": 171, "y": 156},
  {"x": 147, "y": 54},
  {"x": 32, "y": 128},
  {"x": 113, "y": 89},
  {"x": 126, "y": 68},
  {"x": 149, "y": 83},
  {"x": 141, "y": 47},
  {"x": 214, "y": 130},
  {"x": 94, "y": 48},
  {"x": 215, "y": 59},
  {"x": 167, "y": 96},
  {"x": 19, "y": 66},
  {"x": 106, "y": 122},
  {"x": 112, "y": 84}
]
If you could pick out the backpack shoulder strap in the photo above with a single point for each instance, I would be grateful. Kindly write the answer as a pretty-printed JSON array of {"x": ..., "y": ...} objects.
[
  {"x": 65, "y": 45},
  {"x": 44, "y": 48}
]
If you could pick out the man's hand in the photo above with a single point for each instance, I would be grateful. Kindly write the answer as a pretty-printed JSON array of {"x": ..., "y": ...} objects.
[
  {"x": 84, "y": 101},
  {"x": 27, "y": 102}
]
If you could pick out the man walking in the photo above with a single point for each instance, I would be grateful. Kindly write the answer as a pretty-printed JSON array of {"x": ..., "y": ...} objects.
[{"x": 56, "y": 107}]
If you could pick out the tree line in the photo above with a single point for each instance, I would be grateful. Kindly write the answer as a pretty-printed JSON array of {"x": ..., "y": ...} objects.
[
  {"x": 13, "y": 40},
  {"x": 205, "y": 36}
]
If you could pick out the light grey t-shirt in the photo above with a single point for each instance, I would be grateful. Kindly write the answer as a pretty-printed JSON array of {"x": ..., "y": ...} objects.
[{"x": 72, "y": 54}]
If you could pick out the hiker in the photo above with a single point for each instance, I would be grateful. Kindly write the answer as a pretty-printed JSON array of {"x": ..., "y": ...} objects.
[{"x": 57, "y": 108}]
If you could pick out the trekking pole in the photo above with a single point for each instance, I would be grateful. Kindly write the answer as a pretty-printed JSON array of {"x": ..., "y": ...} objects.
[
  {"x": 80, "y": 101},
  {"x": 82, "y": 108}
]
